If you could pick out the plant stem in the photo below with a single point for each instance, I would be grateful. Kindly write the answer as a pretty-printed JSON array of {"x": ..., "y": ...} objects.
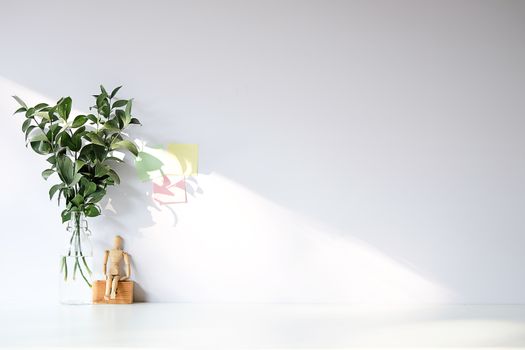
[
  {"x": 76, "y": 241},
  {"x": 75, "y": 269},
  {"x": 82, "y": 273},
  {"x": 86, "y": 265},
  {"x": 77, "y": 227},
  {"x": 65, "y": 269},
  {"x": 71, "y": 243}
]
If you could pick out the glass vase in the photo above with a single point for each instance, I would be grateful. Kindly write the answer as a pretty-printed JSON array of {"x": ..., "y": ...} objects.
[{"x": 77, "y": 262}]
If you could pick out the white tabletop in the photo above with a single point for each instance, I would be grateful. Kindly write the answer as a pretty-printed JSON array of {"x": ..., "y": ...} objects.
[{"x": 262, "y": 326}]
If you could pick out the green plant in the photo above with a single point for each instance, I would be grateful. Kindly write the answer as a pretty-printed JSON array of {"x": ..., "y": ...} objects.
[{"x": 80, "y": 148}]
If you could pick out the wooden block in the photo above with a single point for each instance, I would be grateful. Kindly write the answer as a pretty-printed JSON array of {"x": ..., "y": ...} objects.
[{"x": 124, "y": 293}]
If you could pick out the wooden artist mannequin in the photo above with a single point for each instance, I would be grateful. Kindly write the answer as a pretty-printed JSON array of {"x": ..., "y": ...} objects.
[{"x": 115, "y": 256}]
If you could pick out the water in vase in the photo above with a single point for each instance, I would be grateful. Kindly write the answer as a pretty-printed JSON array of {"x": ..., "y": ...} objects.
[{"x": 76, "y": 279}]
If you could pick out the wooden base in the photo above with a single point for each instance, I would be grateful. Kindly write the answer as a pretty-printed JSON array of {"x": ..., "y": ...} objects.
[{"x": 124, "y": 293}]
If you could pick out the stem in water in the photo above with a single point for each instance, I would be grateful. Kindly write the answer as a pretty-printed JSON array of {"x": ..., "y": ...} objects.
[{"x": 76, "y": 245}]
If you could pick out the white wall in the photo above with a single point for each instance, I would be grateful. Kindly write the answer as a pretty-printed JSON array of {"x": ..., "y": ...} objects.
[{"x": 360, "y": 151}]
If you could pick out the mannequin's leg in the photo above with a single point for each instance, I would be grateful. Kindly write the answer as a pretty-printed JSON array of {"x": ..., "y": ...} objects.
[
  {"x": 108, "y": 287},
  {"x": 114, "y": 287}
]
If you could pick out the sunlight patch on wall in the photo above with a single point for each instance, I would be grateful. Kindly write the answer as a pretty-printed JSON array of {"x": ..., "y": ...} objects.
[
  {"x": 231, "y": 244},
  {"x": 9, "y": 88}
]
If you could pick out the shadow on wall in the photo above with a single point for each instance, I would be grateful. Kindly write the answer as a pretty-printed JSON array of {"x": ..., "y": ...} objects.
[{"x": 131, "y": 206}]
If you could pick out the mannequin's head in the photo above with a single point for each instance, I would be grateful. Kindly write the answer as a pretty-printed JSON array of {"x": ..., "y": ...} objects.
[{"x": 118, "y": 242}]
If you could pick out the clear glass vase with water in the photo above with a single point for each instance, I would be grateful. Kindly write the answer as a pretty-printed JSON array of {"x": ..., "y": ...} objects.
[{"x": 76, "y": 263}]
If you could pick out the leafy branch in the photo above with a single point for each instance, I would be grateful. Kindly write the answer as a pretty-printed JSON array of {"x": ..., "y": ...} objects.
[{"x": 80, "y": 148}]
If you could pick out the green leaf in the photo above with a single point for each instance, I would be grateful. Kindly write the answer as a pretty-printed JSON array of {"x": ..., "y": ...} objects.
[
  {"x": 52, "y": 160},
  {"x": 64, "y": 108},
  {"x": 126, "y": 144},
  {"x": 28, "y": 131},
  {"x": 120, "y": 116},
  {"x": 101, "y": 170},
  {"x": 54, "y": 189},
  {"x": 95, "y": 138},
  {"x": 80, "y": 131},
  {"x": 128, "y": 112},
  {"x": 103, "y": 90},
  {"x": 65, "y": 169},
  {"x": 79, "y": 164},
  {"x": 105, "y": 110},
  {"x": 75, "y": 143},
  {"x": 116, "y": 138},
  {"x": 89, "y": 188},
  {"x": 93, "y": 153},
  {"x": 102, "y": 100},
  {"x": 93, "y": 118},
  {"x": 76, "y": 179},
  {"x": 115, "y": 159},
  {"x": 66, "y": 215},
  {"x": 20, "y": 110},
  {"x": 96, "y": 196},
  {"x": 128, "y": 107},
  {"x": 47, "y": 173},
  {"x": 53, "y": 132},
  {"x": 26, "y": 124},
  {"x": 91, "y": 210},
  {"x": 39, "y": 137},
  {"x": 43, "y": 115},
  {"x": 119, "y": 103},
  {"x": 41, "y": 147},
  {"x": 65, "y": 140},
  {"x": 112, "y": 174},
  {"x": 114, "y": 92},
  {"x": 51, "y": 113},
  {"x": 64, "y": 192},
  {"x": 78, "y": 200},
  {"x": 40, "y": 106},
  {"x": 112, "y": 125},
  {"x": 134, "y": 121},
  {"x": 19, "y": 100},
  {"x": 79, "y": 121},
  {"x": 30, "y": 112}
]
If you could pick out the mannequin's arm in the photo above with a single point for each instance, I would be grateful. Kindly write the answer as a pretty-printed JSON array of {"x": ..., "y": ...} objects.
[
  {"x": 128, "y": 267},
  {"x": 105, "y": 262}
]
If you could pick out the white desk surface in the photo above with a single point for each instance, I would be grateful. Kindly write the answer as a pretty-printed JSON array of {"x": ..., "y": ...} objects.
[{"x": 262, "y": 326}]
